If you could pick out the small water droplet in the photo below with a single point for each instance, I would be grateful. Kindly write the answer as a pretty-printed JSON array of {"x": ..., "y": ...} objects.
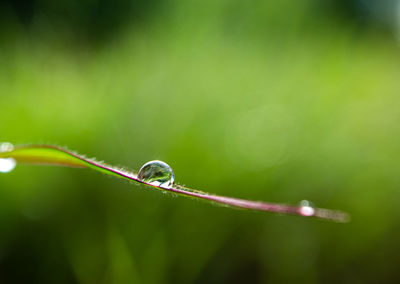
[
  {"x": 6, "y": 147},
  {"x": 7, "y": 164},
  {"x": 157, "y": 173},
  {"x": 306, "y": 208}
]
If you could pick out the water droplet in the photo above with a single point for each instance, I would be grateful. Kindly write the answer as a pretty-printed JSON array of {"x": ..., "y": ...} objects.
[
  {"x": 306, "y": 208},
  {"x": 157, "y": 173},
  {"x": 7, "y": 164},
  {"x": 6, "y": 147}
]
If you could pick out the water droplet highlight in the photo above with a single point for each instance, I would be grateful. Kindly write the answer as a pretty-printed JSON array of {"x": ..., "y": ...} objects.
[
  {"x": 157, "y": 173},
  {"x": 7, "y": 164},
  {"x": 306, "y": 208}
]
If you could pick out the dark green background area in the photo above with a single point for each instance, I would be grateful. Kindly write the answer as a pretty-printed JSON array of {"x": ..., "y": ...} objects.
[{"x": 277, "y": 101}]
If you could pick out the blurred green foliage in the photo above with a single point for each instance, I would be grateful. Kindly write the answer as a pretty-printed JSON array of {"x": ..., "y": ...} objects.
[{"x": 276, "y": 101}]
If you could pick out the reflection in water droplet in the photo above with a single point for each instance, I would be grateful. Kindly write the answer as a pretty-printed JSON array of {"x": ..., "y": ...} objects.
[
  {"x": 7, "y": 164},
  {"x": 157, "y": 173},
  {"x": 306, "y": 208}
]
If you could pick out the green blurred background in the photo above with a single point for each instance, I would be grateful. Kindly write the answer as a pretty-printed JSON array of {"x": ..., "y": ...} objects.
[{"x": 266, "y": 100}]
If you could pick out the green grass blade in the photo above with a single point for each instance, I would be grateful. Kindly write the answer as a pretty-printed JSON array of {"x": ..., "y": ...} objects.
[{"x": 54, "y": 155}]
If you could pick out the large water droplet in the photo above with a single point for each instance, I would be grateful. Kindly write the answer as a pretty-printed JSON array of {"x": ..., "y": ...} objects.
[
  {"x": 157, "y": 173},
  {"x": 6, "y": 164},
  {"x": 306, "y": 208}
]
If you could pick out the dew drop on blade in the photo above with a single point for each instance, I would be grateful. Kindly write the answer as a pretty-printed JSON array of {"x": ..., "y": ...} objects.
[
  {"x": 6, "y": 147},
  {"x": 306, "y": 208},
  {"x": 157, "y": 173},
  {"x": 7, "y": 164}
]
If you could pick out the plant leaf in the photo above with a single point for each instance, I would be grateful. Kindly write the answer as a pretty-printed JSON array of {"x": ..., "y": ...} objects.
[{"x": 54, "y": 155}]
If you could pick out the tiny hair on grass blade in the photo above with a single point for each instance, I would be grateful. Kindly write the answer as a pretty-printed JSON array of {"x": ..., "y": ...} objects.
[{"x": 55, "y": 155}]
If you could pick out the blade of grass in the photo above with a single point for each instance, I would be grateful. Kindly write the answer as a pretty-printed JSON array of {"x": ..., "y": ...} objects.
[{"x": 54, "y": 155}]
